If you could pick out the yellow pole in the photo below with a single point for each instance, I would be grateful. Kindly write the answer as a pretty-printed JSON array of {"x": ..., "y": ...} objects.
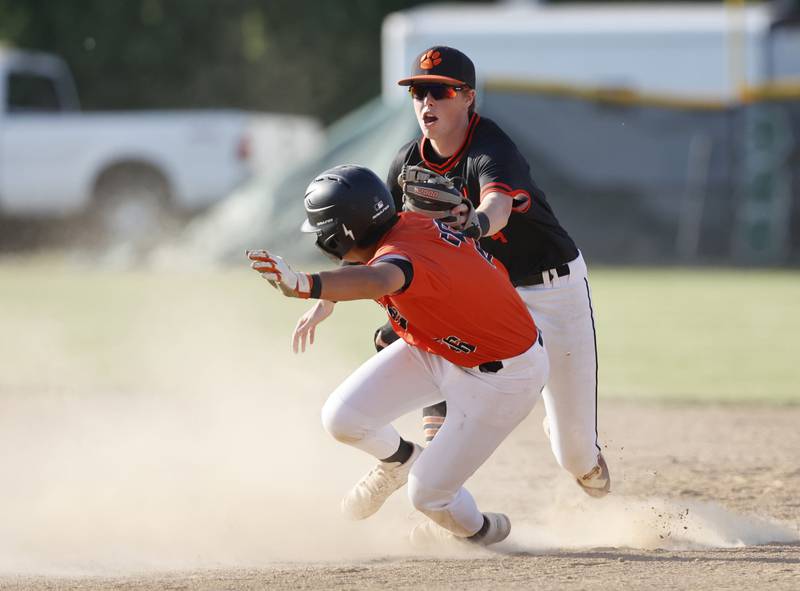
[{"x": 737, "y": 40}]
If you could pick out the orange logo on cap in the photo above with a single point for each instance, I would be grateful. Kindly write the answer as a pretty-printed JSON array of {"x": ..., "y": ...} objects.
[{"x": 430, "y": 59}]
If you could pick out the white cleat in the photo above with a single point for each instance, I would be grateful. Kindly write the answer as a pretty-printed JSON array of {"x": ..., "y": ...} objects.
[
  {"x": 432, "y": 535},
  {"x": 597, "y": 482},
  {"x": 371, "y": 492}
]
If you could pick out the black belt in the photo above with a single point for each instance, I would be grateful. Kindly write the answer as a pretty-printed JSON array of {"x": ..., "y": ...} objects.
[
  {"x": 495, "y": 366},
  {"x": 537, "y": 279},
  {"x": 490, "y": 367}
]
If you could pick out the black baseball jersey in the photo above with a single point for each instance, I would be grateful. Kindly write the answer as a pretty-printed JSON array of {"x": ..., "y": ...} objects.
[{"x": 488, "y": 162}]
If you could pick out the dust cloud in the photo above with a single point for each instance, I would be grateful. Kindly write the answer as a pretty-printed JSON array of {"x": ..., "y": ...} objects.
[
  {"x": 647, "y": 524},
  {"x": 112, "y": 483},
  {"x": 244, "y": 475},
  {"x": 210, "y": 454}
]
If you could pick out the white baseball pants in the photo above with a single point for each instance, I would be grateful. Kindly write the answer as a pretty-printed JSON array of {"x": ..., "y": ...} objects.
[
  {"x": 562, "y": 309},
  {"x": 482, "y": 409}
]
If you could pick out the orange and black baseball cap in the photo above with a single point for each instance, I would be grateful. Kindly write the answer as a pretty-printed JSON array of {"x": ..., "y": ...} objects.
[{"x": 442, "y": 65}]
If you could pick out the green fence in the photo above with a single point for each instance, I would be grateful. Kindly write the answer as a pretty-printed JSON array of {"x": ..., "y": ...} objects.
[{"x": 658, "y": 180}]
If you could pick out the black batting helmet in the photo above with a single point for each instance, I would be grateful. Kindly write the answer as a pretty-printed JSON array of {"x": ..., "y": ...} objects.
[{"x": 347, "y": 205}]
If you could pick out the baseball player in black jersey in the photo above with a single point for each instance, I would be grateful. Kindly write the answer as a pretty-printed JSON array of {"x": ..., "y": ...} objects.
[{"x": 516, "y": 224}]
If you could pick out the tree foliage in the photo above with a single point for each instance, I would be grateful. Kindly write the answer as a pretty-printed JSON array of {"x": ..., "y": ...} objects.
[{"x": 300, "y": 56}]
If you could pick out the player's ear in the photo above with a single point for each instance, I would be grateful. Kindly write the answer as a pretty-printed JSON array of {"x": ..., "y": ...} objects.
[{"x": 469, "y": 94}]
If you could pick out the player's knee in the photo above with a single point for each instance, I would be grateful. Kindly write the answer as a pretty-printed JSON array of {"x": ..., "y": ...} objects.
[
  {"x": 339, "y": 423},
  {"x": 425, "y": 496}
]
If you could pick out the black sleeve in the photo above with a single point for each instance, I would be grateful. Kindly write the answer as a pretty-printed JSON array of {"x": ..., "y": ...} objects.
[
  {"x": 391, "y": 178},
  {"x": 406, "y": 267},
  {"x": 502, "y": 169}
]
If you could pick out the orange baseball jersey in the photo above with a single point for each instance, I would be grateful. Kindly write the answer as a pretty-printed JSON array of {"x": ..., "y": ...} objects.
[{"x": 460, "y": 303}]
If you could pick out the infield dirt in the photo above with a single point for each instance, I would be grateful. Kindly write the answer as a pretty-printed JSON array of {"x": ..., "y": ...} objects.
[
  {"x": 156, "y": 434},
  {"x": 703, "y": 497}
]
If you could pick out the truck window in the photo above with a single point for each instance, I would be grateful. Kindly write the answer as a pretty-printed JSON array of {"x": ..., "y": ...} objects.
[{"x": 31, "y": 92}]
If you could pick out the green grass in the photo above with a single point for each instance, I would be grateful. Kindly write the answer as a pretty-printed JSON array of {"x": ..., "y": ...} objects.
[
  {"x": 699, "y": 334},
  {"x": 129, "y": 330},
  {"x": 664, "y": 334}
]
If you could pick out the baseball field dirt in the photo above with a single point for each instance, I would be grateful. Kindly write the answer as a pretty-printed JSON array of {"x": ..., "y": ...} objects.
[
  {"x": 703, "y": 497},
  {"x": 157, "y": 434}
]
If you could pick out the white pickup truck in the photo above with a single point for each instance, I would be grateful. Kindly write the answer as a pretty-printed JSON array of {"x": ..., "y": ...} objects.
[{"x": 56, "y": 160}]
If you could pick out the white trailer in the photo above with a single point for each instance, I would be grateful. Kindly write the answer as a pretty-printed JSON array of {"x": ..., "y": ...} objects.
[{"x": 707, "y": 52}]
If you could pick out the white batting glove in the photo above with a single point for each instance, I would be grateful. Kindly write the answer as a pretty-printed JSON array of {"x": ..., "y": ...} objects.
[{"x": 280, "y": 275}]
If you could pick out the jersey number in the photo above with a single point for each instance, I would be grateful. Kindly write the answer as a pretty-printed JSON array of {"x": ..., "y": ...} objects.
[
  {"x": 395, "y": 315},
  {"x": 457, "y": 345},
  {"x": 456, "y": 238}
]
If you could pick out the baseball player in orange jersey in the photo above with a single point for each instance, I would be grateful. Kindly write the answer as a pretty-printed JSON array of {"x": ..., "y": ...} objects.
[
  {"x": 516, "y": 224},
  {"x": 435, "y": 285}
]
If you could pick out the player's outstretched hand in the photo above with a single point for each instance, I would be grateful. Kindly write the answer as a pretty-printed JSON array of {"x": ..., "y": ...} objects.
[
  {"x": 307, "y": 324},
  {"x": 280, "y": 275}
]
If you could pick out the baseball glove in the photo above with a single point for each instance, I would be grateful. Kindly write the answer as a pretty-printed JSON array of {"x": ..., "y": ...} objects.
[
  {"x": 428, "y": 193},
  {"x": 435, "y": 196}
]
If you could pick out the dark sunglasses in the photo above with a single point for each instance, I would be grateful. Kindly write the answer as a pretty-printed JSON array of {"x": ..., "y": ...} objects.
[{"x": 437, "y": 91}]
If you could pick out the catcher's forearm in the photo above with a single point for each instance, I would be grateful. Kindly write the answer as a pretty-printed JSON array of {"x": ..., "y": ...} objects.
[{"x": 360, "y": 282}]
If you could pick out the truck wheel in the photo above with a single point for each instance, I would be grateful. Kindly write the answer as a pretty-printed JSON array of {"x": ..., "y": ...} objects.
[{"x": 131, "y": 207}]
